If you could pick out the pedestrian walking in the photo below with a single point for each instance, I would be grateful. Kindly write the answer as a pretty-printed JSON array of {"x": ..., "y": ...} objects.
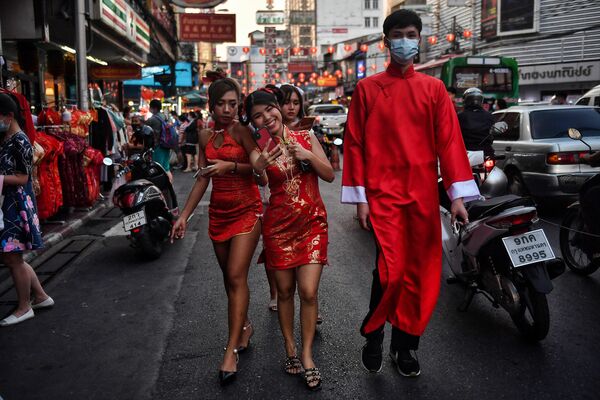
[
  {"x": 161, "y": 155},
  {"x": 21, "y": 229},
  {"x": 190, "y": 143},
  {"x": 400, "y": 123},
  {"x": 295, "y": 225},
  {"x": 234, "y": 211}
]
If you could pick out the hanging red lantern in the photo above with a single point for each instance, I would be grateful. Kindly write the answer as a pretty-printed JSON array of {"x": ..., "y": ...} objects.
[
  {"x": 280, "y": 51},
  {"x": 301, "y": 75},
  {"x": 432, "y": 40},
  {"x": 244, "y": 81},
  {"x": 381, "y": 45},
  {"x": 467, "y": 34},
  {"x": 147, "y": 94},
  {"x": 326, "y": 73},
  {"x": 159, "y": 94},
  {"x": 338, "y": 72},
  {"x": 239, "y": 72},
  {"x": 305, "y": 83},
  {"x": 347, "y": 47},
  {"x": 296, "y": 50},
  {"x": 313, "y": 50},
  {"x": 265, "y": 75},
  {"x": 252, "y": 74},
  {"x": 262, "y": 51},
  {"x": 330, "y": 49},
  {"x": 374, "y": 67},
  {"x": 290, "y": 75},
  {"x": 364, "y": 48},
  {"x": 450, "y": 37},
  {"x": 349, "y": 71},
  {"x": 386, "y": 63},
  {"x": 314, "y": 75},
  {"x": 277, "y": 75},
  {"x": 246, "y": 50},
  {"x": 292, "y": 80}
]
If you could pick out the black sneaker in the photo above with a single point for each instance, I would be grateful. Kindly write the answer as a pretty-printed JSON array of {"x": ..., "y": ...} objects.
[
  {"x": 406, "y": 363},
  {"x": 372, "y": 354}
]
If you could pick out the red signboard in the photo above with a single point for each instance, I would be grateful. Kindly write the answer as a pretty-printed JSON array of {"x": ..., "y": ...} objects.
[
  {"x": 214, "y": 28},
  {"x": 295, "y": 67},
  {"x": 327, "y": 81},
  {"x": 115, "y": 72},
  {"x": 339, "y": 30}
]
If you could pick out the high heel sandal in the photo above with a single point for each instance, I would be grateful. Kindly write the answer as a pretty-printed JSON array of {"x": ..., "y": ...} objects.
[
  {"x": 312, "y": 378},
  {"x": 242, "y": 349},
  {"x": 227, "y": 377}
]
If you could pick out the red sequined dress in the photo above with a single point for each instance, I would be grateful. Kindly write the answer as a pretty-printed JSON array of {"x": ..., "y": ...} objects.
[
  {"x": 235, "y": 204},
  {"x": 295, "y": 221}
]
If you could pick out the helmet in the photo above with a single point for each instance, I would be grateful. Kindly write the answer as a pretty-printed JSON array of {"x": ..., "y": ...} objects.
[{"x": 472, "y": 97}]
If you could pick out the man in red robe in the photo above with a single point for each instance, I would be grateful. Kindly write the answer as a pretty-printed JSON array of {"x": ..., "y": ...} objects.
[{"x": 400, "y": 124}]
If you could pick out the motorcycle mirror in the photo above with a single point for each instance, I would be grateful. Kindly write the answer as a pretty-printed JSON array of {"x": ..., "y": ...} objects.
[
  {"x": 574, "y": 134},
  {"x": 338, "y": 142},
  {"x": 107, "y": 161}
]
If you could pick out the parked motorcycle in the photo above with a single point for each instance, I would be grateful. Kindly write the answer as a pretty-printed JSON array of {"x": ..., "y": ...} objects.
[
  {"x": 331, "y": 143},
  {"x": 498, "y": 253},
  {"x": 578, "y": 239},
  {"x": 147, "y": 201}
]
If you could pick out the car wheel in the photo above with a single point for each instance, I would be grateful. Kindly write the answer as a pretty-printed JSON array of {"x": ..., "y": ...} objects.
[{"x": 516, "y": 185}]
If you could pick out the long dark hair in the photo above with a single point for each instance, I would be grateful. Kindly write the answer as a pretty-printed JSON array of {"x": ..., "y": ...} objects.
[
  {"x": 287, "y": 91},
  {"x": 218, "y": 88},
  {"x": 266, "y": 96},
  {"x": 9, "y": 105}
]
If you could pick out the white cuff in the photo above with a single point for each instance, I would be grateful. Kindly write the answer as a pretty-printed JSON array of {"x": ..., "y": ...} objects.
[
  {"x": 353, "y": 195},
  {"x": 468, "y": 190}
]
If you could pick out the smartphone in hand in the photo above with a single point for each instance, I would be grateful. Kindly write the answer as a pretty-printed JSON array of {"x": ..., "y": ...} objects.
[
  {"x": 305, "y": 123},
  {"x": 202, "y": 171},
  {"x": 262, "y": 136}
]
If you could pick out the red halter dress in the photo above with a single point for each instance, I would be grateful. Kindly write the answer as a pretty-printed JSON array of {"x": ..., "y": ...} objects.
[
  {"x": 295, "y": 221},
  {"x": 235, "y": 204}
]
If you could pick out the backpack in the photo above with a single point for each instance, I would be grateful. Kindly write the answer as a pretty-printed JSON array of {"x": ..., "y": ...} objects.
[{"x": 169, "y": 138}]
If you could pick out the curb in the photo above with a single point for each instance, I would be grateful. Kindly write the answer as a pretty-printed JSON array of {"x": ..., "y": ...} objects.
[{"x": 70, "y": 227}]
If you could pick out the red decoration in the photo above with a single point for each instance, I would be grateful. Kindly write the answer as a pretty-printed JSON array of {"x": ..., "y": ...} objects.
[
  {"x": 374, "y": 67},
  {"x": 313, "y": 50},
  {"x": 325, "y": 73},
  {"x": 246, "y": 50},
  {"x": 364, "y": 48},
  {"x": 296, "y": 50},
  {"x": 252, "y": 74},
  {"x": 277, "y": 75},
  {"x": 159, "y": 94},
  {"x": 262, "y": 51},
  {"x": 432, "y": 40},
  {"x": 467, "y": 34},
  {"x": 301, "y": 75},
  {"x": 290, "y": 75},
  {"x": 450, "y": 37},
  {"x": 265, "y": 75},
  {"x": 349, "y": 71},
  {"x": 381, "y": 45},
  {"x": 147, "y": 94},
  {"x": 239, "y": 72},
  {"x": 347, "y": 47},
  {"x": 314, "y": 75},
  {"x": 330, "y": 49}
]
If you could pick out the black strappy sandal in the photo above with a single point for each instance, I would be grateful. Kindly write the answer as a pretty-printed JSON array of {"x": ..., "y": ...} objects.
[
  {"x": 293, "y": 363},
  {"x": 242, "y": 349},
  {"x": 312, "y": 377}
]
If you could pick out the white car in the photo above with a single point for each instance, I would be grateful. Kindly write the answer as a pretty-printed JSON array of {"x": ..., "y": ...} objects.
[{"x": 331, "y": 116}]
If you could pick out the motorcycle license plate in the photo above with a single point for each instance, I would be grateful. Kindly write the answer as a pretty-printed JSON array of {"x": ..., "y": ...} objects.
[
  {"x": 134, "y": 220},
  {"x": 528, "y": 248}
]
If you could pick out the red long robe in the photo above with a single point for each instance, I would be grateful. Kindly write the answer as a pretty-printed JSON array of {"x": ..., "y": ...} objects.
[{"x": 399, "y": 125}]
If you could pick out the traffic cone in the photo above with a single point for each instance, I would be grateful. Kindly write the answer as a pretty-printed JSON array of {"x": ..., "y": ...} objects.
[{"x": 335, "y": 158}]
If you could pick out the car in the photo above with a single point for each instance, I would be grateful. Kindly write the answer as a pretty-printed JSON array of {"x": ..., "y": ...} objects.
[
  {"x": 331, "y": 116},
  {"x": 540, "y": 158},
  {"x": 590, "y": 98}
]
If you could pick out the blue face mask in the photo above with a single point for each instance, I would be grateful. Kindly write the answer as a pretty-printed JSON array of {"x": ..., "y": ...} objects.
[{"x": 403, "y": 50}]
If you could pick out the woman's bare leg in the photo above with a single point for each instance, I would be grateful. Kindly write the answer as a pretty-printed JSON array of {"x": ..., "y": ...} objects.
[{"x": 308, "y": 277}]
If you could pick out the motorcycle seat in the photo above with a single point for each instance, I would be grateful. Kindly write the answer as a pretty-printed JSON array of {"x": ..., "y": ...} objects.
[
  {"x": 484, "y": 208},
  {"x": 134, "y": 185}
]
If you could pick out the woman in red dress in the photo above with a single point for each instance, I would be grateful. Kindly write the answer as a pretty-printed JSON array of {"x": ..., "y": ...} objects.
[
  {"x": 234, "y": 211},
  {"x": 295, "y": 225}
]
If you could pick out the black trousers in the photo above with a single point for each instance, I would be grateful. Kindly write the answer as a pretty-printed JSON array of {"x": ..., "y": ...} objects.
[{"x": 400, "y": 339}]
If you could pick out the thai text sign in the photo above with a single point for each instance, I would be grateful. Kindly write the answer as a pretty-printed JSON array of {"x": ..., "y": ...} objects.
[
  {"x": 560, "y": 73},
  {"x": 270, "y": 17},
  {"x": 327, "y": 81},
  {"x": 115, "y": 72},
  {"x": 213, "y": 28}
]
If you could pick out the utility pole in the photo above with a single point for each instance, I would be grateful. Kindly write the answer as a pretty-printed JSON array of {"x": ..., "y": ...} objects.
[
  {"x": 80, "y": 47},
  {"x": 473, "y": 36}
]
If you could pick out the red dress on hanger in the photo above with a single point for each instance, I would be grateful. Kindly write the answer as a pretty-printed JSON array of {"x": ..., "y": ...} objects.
[
  {"x": 235, "y": 204},
  {"x": 295, "y": 221}
]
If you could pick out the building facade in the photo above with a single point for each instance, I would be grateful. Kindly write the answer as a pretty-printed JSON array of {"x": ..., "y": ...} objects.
[{"x": 556, "y": 43}]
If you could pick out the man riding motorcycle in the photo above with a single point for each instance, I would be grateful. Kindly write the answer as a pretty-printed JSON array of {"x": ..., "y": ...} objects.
[{"x": 475, "y": 123}]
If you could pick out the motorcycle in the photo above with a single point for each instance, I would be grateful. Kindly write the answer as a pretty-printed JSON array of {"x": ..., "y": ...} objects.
[
  {"x": 498, "y": 253},
  {"x": 577, "y": 238},
  {"x": 332, "y": 144},
  {"x": 148, "y": 202}
]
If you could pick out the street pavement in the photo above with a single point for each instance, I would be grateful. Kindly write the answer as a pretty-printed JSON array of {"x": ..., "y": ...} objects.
[{"x": 129, "y": 329}]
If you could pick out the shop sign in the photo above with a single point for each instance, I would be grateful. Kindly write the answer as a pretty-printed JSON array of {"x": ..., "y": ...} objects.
[
  {"x": 517, "y": 16},
  {"x": 120, "y": 16},
  {"x": 327, "y": 81},
  {"x": 489, "y": 19},
  {"x": 339, "y": 30},
  {"x": 559, "y": 73},
  {"x": 198, "y": 3},
  {"x": 214, "y": 28},
  {"x": 297, "y": 67},
  {"x": 115, "y": 72},
  {"x": 302, "y": 18},
  {"x": 270, "y": 17}
]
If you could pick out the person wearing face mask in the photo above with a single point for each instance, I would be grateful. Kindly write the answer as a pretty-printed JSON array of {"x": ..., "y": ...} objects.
[
  {"x": 400, "y": 123},
  {"x": 21, "y": 224}
]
